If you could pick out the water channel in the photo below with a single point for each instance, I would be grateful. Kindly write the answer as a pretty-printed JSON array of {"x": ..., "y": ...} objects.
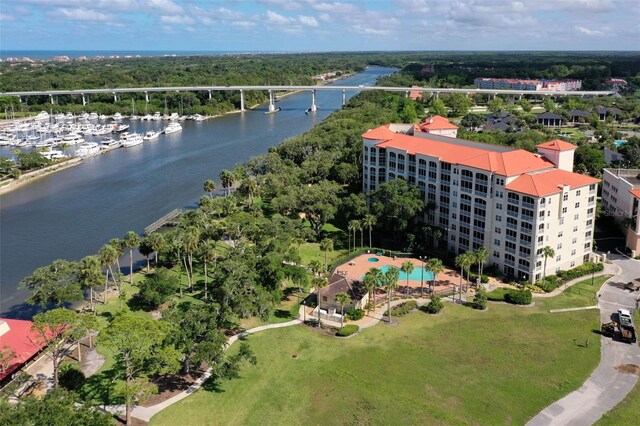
[{"x": 72, "y": 213}]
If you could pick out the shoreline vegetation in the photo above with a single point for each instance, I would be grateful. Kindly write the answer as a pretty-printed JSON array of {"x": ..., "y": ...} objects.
[{"x": 9, "y": 185}]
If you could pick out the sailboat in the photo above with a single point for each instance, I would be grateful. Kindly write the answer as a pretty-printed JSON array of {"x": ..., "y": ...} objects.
[{"x": 133, "y": 110}]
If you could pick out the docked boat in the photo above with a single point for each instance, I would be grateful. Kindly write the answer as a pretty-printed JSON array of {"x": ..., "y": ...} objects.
[
  {"x": 119, "y": 127},
  {"x": 147, "y": 117},
  {"x": 198, "y": 117},
  {"x": 151, "y": 135},
  {"x": 174, "y": 116},
  {"x": 117, "y": 117},
  {"x": 156, "y": 116},
  {"x": 72, "y": 139},
  {"x": 53, "y": 154},
  {"x": 132, "y": 139},
  {"x": 109, "y": 143},
  {"x": 88, "y": 149},
  {"x": 172, "y": 128}
]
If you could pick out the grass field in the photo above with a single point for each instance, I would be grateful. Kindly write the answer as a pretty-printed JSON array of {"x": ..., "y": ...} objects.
[{"x": 462, "y": 367}]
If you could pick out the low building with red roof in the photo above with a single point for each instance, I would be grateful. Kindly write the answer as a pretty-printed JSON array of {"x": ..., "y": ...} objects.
[
  {"x": 509, "y": 200},
  {"x": 18, "y": 344}
]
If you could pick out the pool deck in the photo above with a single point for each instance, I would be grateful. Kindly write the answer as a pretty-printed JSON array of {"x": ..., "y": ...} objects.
[{"x": 357, "y": 267}]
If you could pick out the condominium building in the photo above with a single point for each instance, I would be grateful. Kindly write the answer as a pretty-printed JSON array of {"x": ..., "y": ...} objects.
[
  {"x": 522, "y": 84},
  {"x": 620, "y": 198},
  {"x": 511, "y": 201}
]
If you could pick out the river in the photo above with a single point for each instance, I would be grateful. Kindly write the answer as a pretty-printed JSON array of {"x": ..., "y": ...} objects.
[{"x": 72, "y": 213}]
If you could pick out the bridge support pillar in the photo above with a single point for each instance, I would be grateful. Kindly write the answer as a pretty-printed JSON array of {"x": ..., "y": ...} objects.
[
  {"x": 313, "y": 101},
  {"x": 344, "y": 98},
  {"x": 84, "y": 100},
  {"x": 435, "y": 95},
  {"x": 209, "y": 94},
  {"x": 242, "y": 101},
  {"x": 272, "y": 106},
  {"x": 406, "y": 94},
  {"x": 51, "y": 99},
  {"x": 146, "y": 96},
  {"x": 115, "y": 97}
]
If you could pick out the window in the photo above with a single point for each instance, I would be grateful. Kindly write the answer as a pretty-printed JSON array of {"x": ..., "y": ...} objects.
[
  {"x": 577, "y": 205},
  {"x": 498, "y": 230},
  {"x": 575, "y": 229},
  {"x": 499, "y": 206},
  {"x": 559, "y": 246},
  {"x": 573, "y": 263},
  {"x": 560, "y": 234},
  {"x": 574, "y": 240},
  {"x": 496, "y": 242},
  {"x": 576, "y": 216},
  {"x": 541, "y": 239},
  {"x": 578, "y": 193},
  {"x": 561, "y": 221},
  {"x": 587, "y": 234},
  {"x": 573, "y": 253},
  {"x": 564, "y": 210},
  {"x": 558, "y": 258},
  {"x": 541, "y": 213},
  {"x": 565, "y": 197},
  {"x": 587, "y": 245},
  {"x": 592, "y": 187},
  {"x": 496, "y": 254},
  {"x": 498, "y": 218}
]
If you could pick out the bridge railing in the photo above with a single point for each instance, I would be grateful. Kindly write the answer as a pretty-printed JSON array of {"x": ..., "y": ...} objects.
[{"x": 162, "y": 221}]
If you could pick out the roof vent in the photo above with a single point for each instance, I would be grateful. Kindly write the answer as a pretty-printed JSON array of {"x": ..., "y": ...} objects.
[{"x": 4, "y": 328}]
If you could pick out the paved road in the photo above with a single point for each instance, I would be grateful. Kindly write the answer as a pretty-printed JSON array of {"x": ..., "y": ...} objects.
[{"x": 606, "y": 387}]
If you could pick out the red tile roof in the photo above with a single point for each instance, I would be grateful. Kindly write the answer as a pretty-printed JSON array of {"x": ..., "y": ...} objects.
[
  {"x": 548, "y": 182},
  {"x": 436, "y": 122},
  {"x": 557, "y": 145},
  {"x": 382, "y": 133},
  {"x": 508, "y": 163},
  {"x": 22, "y": 342},
  {"x": 635, "y": 193}
]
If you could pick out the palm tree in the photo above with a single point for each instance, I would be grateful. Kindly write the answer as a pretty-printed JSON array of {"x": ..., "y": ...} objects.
[
  {"x": 436, "y": 266},
  {"x": 370, "y": 282},
  {"x": 326, "y": 245},
  {"x": 320, "y": 283},
  {"x": 157, "y": 243},
  {"x": 361, "y": 229},
  {"x": 342, "y": 298},
  {"x": 208, "y": 254},
  {"x": 464, "y": 262},
  {"x": 107, "y": 257},
  {"x": 249, "y": 187},
  {"x": 190, "y": 240},
  {"x": 90, "y": 276},
  {"x": 131, "y": 241},
  {"x": 481, "y": 257},
  {"x": 116, "y": 243},
  {"x": 407, "y": 267},
  {"x": 227, "y": 179},
  {"x": 546, "y": 252},
  {"x": 353, "y": 225},
  {"x": 209, "y": 186},
  {"x": 390, "y": 281},
  {"x": 315, "y": 267},
  {"x": 368, "y": 221}
]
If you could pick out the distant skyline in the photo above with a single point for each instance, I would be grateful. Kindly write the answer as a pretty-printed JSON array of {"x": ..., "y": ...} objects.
[{"x": 284, "y": 25}]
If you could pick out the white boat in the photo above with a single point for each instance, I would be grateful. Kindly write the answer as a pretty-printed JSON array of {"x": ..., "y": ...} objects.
[
  {"x": 198, "y": 117},
  {"x": 151, "y": 135},
  {"x": 174, "y": 116},
  {"x": 53, "y": 154},
  {"x": 132, "y": 140},
  {"x": 147, "y": 117},
  {"x": 93, "y": 116},
  {"x": 134, "y": 117},
  {"x": 117, "y": 117},
  {"x": 72, "y": 139},
  {"x": 119, "y": 127},
  {"x": 172, "y": 128},
  {"x": 103, "y": 117},
  {"x": 88, "y": 149},
  {"x": 156, "y": 116},
  {"x": 42, "y": 116},
  {"x": 109, "y": 143}
]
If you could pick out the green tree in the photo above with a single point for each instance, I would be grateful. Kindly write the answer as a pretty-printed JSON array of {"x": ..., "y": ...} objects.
[
  {"x": 481, "y": 256},
  {"x": 227, "y": 179},
  {"x": 57, "y": 283},
  {"x": 158, "y": 243},
  {"x": 549, "y": 104},
  {"x": 107, "y": 256},
  {"x": 496, "y": 104},
  {"x": 369, "y": 221},
  {"x": 32, "y": 160},
  {"x": 437, "y": 107},
  {"x": 396, "y": 204},
  {"x": 436, "y": 266},
  {"x": 472, "y": 122},
  {"x": 458, "y": 104},
  {"x": 525, "y": 105},
  {"x": 208, "y": 255},
  {"x": 464, "y": 262},
  {"x": 480, "y": 299},
  {"x": 435, "y": 305},
  {"x": 319, "y": 283},
  {"x": 342, "y": 299},
  {"x": 118, "y": 246},
  {"x": 209, "y": 186},
  {"x": 57, "y": 331},
  {"x": 352, "y": 227},
  {"x": 390, "y": 283},
  {"x": 131, "y": 241},
  {"x": 139, "y": 350},
  {"x": 408, "y": 113},
  {"x": 326, "y": 245},
  {"x": 372, "y": 279},
  {"x": 146, "y": 250},
  {"x": 90, "y": 276},
  {"x": 407, "y": 267},
  {"x": 547, "y": 251},
  {"x": 156, "y": 288}
]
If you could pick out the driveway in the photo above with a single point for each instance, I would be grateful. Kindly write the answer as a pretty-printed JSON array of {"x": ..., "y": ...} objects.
[{"x": 607, "y": 386}]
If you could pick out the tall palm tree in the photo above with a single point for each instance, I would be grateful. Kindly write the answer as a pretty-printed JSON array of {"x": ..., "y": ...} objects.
[
  {"x": 315, "y": 266},
  {"x": 326, "y": 246},
  {"x": 342, "y": 298},
  {"x": 319, "y": 283},
  {"x": 190, "y": 241},
  {"x": 90, "y": 276},
  {"x": 208, "y": 255},
  {"x": 353, "y": 225},
  {"x": 368, "y": 221},
  {"x": 249, "y": 187},
  {"x": 116, "y": 243},
  {"x": 407, "y": 267},
  {"x": 209, "y": 186},
  {"x": 436, "y": 266},
  {"x": 390, "y": 280},
  {"x": 157, "y": 243},
  {"x": 481, "y": 256},
  {"x": 131, "y": 241},
  {"x": 464, "y": 262},
  {"x": 361, "y": 229},
  {"x": 107, "y": 256},
  {"x": 546, "y": 252},
  {"x": 372, "y": 279},
  {"x": 227, "y": 178}
]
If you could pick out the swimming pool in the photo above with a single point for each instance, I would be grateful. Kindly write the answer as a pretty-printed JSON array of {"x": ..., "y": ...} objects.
[
  {"x": 415, "y": 275},
  {"x": 373, "y": 259},
  {"x": 619, "y": 143}
]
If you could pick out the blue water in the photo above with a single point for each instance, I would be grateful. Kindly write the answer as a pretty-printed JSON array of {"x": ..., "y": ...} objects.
[
  {"x": 619, "y": 143},
  {"x": 415, "y": 275}
]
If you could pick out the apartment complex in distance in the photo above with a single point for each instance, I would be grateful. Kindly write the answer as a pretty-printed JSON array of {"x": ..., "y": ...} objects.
[
  {"x": 620, "y": 199},
  {"x": 524, "y": 84},
  {"x": 511, "y": 201}
]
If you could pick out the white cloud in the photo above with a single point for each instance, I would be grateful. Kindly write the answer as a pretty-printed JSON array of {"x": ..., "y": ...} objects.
[
  {"x": 284, "y": 4},
  {"x": 415, "y": 6},
  {"x": 6, "y": 18},
  {"x": 243, "y": 24},
  {"x": 277, "y": 19},
  {"x": 324, "y": 17},
  {"x": 587, "y": 31},
  {"x": 177, "y": 19},
  {"x": 83, "y": 15},
  {"x": 164, "y": 6},
  {"x": 309, "y": 21},
  {"x": 334, "y": 7}
]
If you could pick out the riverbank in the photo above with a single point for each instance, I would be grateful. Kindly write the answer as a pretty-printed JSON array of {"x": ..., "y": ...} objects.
[{"x": 29, "y": 177}]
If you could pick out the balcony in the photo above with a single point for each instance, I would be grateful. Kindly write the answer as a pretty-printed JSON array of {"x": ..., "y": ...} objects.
[
  {"x": 478, "y": 241},
  {"x": 525, "y": 243},
  {"x": 512, "y": 213},
  {"x": 528, "y": 205},
  {"x": 478, "y": 229},
  {"x": 526, "y": 218},
  {"x": 467, "y": 190},
  {"x": 509, "y": 262},
  {"x": 480, "y": 194},
  {"x": 512, "y": 226},
  {"x": 480, "y": 218},
  {"x": 526, "y": 231},
  {"x": 510, "y": 238}
]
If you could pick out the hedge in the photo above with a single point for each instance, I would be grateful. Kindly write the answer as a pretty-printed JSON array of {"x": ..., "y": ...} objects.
[
  {"x": 347, "y": 330},
  {"x": 518, "y": 297},
  {"x": 403, "y": 308},
  {"x": 552, "y": 282},
  {"x": 354, "y": 314},
  {"x": 484, "y": 279},
  {"x": 498, "y": 294}
]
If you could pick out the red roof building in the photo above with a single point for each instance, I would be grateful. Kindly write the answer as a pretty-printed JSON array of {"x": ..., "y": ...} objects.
[{"x": 17, "y": 338}]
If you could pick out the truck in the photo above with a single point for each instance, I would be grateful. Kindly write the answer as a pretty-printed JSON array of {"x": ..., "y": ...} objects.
[{"x": 625, "y": 326}]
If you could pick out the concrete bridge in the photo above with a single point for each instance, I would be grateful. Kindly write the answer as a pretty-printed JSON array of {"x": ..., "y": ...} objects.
[{"x": 433, "y": 91}]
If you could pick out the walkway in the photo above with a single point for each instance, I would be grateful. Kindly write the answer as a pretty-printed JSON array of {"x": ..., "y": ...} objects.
[
  {"x": 607, "y": 386},
  {"x": 609, "y": 269}
]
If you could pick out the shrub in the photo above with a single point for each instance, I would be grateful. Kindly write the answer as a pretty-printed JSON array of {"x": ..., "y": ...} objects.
[
  {"x": 434, "y": 306},
  {"x": 403, "y": 308},
  {"x": 484, "y": 279},
  {"x": 354, "y": 314},
  {"x": 498, "y": 294},
  {"x": 518, "y": 297},
  {"x": 547, "y": 286},
  {"x": 347, "y": 330},
  {"x": 71, "y": 377},
  {"x": 480, "y": 299},
  {"x": 580, "y": 271},
  {"x": 157, "y": 288}
]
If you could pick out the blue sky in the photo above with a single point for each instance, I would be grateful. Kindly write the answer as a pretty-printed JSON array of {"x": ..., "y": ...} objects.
[{"x": 284, "y": 25}]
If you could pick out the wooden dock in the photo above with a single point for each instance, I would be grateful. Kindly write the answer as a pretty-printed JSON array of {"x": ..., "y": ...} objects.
[{"x": 167, "y": 219}]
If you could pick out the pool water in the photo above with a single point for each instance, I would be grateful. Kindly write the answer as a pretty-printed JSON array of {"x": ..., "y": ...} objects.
[
  {"x": 415, "y": 275},
  {"x": 373, "y": 259},
  {"x": 619, "y": 143}
]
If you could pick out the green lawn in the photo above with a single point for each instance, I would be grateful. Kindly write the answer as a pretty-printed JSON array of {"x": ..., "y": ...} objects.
[
  {"x": 463, "y": 367},
  {"x": 578, "y": 295}
]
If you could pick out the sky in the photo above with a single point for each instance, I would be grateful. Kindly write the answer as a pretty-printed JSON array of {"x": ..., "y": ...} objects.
[{"x": 303, "y": 25}]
